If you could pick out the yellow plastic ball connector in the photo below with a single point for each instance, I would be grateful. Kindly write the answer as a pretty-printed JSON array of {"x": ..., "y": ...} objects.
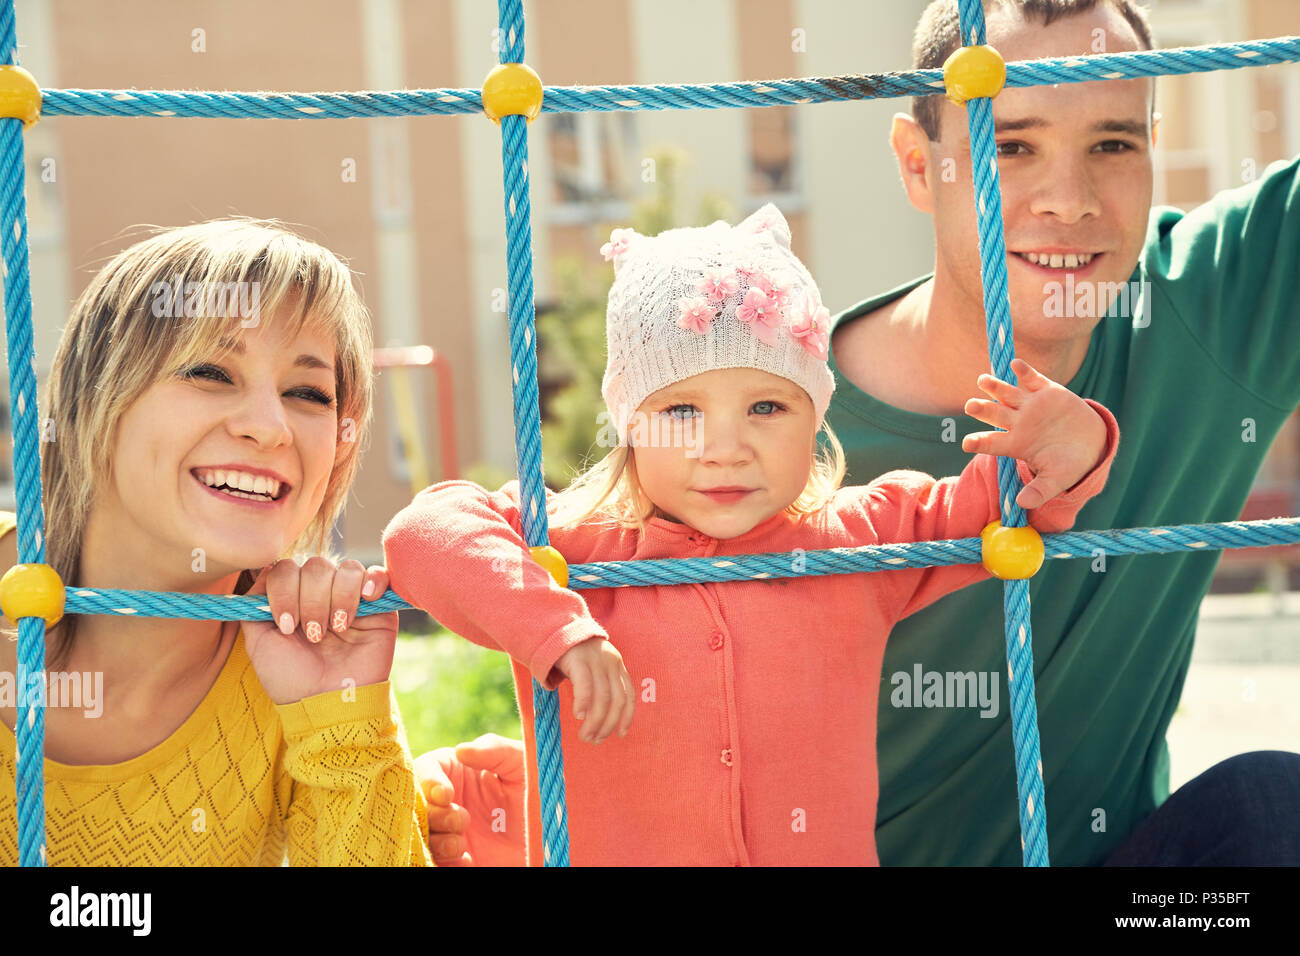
[
  {"x": 20, "y": 97},
  {"x": 974, "y": 71},
  {"x": 1011, "y": 553},
  {"x": 512, "y": 89},
  {"x": 553, "y": 562},
  {"x": 32, "y": 590}
]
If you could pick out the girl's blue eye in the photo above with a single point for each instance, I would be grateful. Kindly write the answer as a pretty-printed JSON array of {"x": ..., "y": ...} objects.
[
  {"x": 671, "y": 410},
  {"x": 775, "y": 407},
  {"x": 217, "y": 374}
]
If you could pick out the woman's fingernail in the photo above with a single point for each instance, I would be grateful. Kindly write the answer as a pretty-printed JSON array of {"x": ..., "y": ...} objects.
[
  {"x": 368, "y": 590},
  {"x": 313, "y": 632},
  {"x": 340, "y": 621},
  {"x": 286, "y": 623}
]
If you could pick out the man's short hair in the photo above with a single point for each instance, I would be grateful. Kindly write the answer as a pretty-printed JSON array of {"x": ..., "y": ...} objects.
[{"x": 938, "y": 33}]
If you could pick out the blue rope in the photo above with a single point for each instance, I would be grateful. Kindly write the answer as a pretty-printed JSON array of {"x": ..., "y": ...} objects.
[
  {"x": 1015, "y": 598},
  {"x": 1271, "y": 532},
  {"x": 577, "y": 99},
  {"x": 528, "y": 425},
  {"x": 29, "y": 730}
]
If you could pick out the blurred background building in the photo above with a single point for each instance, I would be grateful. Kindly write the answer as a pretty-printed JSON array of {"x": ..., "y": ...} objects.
[{"x": 421, "y": 219}]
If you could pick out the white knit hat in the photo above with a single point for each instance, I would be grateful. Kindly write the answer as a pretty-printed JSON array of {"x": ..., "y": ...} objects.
[{"x": 693, "y": 300}]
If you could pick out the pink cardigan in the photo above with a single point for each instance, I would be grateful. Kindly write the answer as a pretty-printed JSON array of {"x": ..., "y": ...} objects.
[{"x": 754, "y": 739}]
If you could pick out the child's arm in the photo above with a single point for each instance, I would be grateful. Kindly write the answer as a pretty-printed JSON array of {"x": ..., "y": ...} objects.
[
  {"x": 1064, "y": 446},
  {"x": 458, "y": 551},
  {"x": 355, "y": 800}
]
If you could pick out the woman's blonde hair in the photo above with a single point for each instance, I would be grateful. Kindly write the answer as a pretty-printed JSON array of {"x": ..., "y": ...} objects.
[
  {"x": 128, "y": 331},
  {"x": 609, "y": 492}
]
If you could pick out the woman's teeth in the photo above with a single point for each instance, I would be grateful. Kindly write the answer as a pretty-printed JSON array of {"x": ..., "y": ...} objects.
[
  {"x": 240, "y": 484},
  {"x": 1056, "y": 260}
]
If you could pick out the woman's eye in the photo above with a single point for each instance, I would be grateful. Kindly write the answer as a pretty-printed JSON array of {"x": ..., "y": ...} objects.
[
  {"x": 314, "y": 395},
  {"x": 215, "y": 373},
  {"x": 206, "y": 371}
]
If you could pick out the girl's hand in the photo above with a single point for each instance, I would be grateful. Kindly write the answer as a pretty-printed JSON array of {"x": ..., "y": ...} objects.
[
  {"x": 602, "y": 690},
  {"x": 1048, "y": 427},
  {"x": 319, "y": 644}
]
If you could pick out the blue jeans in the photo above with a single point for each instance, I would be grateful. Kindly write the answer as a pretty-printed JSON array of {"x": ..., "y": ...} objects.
[{"x": 1244, "y": 811}]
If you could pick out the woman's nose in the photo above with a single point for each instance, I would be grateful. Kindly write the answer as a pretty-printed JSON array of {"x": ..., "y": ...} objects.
[{"x": 260, "y": 415}]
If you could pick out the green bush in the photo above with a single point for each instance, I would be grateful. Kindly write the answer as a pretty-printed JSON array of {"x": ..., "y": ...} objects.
[{"x": 451, "y": 690}]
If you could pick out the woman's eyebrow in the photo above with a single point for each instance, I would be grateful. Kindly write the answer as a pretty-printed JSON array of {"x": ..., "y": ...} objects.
[{"x": 305, "y": 360}]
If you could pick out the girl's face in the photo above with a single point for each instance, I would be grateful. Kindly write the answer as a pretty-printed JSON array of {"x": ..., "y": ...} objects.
[
  {"x": 259, "y": 424},
  {"x": 736, "y": 428}
]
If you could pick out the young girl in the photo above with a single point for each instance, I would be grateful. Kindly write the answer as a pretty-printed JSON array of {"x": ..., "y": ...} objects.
[
  {"x": 754, "y": 740},
  {"x": 208, "y": 401}
]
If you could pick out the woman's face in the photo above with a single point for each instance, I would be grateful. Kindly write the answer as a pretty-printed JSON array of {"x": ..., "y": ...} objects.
[
  {"x": 729, "y": 428},
  {"x": 232, "y": 455}
]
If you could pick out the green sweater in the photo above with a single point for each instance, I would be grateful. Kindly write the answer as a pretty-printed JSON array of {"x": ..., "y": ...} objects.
[{"x": 1215, "y": 343}]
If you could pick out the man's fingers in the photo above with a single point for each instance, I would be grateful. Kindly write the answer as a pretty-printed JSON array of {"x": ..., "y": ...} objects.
[
  {"x": 494, "y": 754},
  {"x": 433, "y": 779},
  {"x": 449, "y": 851}
]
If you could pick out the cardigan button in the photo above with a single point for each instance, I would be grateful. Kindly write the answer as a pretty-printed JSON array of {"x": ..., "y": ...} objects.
[
  {"x": 716, "y": 640},
  {"x": 726, "y": 757}
]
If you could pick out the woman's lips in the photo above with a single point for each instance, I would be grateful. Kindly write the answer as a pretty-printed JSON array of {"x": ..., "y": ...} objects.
[{"x": 267, "y": 505}]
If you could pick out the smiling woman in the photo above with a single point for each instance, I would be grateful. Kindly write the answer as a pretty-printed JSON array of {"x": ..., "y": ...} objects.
[{"x": 200, "y": 450}]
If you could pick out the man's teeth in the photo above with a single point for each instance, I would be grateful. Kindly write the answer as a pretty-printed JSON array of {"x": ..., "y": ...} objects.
[
  {"x": 1056, "y": 260},
  {"x": 241, "y": 484}
]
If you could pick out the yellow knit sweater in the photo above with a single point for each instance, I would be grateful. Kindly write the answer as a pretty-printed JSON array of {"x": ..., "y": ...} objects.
[{"x": 328, "y": 779}]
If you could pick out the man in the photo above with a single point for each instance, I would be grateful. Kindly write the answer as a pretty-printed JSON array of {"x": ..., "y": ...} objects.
[
  {"x": 1200, "y": 360},
  {"x": 1198, "y": 355}
]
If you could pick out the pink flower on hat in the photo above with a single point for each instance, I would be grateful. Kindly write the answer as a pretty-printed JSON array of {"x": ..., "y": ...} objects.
[
  {"x": 811, "y": 327},
  {"x": 758, "y": 312},
  {"x": 696, "y": 315},
  {"x": 749, "y": 268},
  {"x": 617, "y": 245},
  {"x": 778, "y": 294},
  {"x": 717, "y": 284}
]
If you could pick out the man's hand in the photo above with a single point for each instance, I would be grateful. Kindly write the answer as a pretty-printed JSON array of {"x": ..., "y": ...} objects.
[{"x": 486, "y": 827}]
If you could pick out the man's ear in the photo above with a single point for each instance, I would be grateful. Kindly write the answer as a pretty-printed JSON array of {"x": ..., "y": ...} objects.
[{"x": 911, "y": 148}]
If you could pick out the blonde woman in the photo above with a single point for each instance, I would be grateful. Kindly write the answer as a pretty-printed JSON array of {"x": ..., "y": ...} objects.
[{"x": 209, "y": 401}]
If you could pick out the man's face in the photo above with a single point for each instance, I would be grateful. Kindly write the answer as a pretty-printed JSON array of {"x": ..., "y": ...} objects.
[{"x": 1075, "y": 167}]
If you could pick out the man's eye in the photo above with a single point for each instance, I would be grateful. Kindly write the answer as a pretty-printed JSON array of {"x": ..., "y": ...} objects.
[
  {"x": 1012, "y": 149},
  {"x": 1115, "y": 146}
]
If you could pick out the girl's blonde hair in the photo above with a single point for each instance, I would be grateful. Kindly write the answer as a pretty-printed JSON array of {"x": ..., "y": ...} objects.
[
  {"x": 119, "y": 341},
  {"x": 609, "y": 492}
]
